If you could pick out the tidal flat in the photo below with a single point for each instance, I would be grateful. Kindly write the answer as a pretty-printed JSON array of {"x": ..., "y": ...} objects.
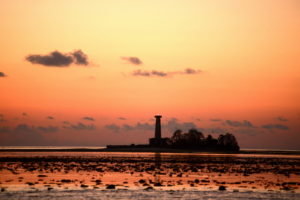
[{"x": 26, "y": 175}]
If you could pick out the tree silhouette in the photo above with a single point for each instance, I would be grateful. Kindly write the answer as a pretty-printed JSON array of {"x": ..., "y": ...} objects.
[{"x": 194, "y": 139}]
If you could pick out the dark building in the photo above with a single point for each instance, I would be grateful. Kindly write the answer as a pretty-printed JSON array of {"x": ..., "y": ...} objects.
[{"x": 158, "y": 141}]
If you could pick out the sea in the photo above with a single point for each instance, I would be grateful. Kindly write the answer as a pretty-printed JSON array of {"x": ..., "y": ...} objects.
[{"x": 138, "y": 192}]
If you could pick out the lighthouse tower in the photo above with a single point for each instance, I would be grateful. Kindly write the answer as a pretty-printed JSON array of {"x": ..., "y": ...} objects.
[
  {"x": 157, "y": 127},
  {"x": 157, "y": 141}
]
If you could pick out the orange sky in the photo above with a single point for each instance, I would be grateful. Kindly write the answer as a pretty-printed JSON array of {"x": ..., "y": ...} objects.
[{"x": 245, "y": 55}]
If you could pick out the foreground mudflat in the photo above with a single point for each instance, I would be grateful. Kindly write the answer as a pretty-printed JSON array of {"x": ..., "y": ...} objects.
[
  {"x": 141, "y": 194},
  {"x": 111, "y": 175}
]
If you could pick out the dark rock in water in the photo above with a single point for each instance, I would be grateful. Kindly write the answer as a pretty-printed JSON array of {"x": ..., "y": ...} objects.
[
  {"x": 2, "y": 189},
  {"x": 111, "y": 187},
  {"x": 196, "y": 181},
  {"x": 30, "y": 183},
  {"x": 149, "y": 188},
  {"x": 42, "y": 175},
  {"x": 98, "y": 182},
  {"x": 84, "y": 186},
  {"x": 158, "y": 184},
  {"x": 286, "y": 188},
  {"x": 50, "y": 188},
  {"x": 222, "y": 188},
  {"x": 141, "y": 181},
  {"x": 66, "y": 181}
]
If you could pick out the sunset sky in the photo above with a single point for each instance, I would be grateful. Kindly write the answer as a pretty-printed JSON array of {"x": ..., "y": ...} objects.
[{"x": 76, "y": 72}]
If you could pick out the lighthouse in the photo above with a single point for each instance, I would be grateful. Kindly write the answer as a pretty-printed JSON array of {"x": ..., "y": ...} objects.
[
  {"x": 157, "y": 141},
  {"x": 157, "y": 127}
]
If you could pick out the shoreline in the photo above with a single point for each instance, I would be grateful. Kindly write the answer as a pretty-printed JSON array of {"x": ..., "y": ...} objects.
[{"x": 156, "y": 150}]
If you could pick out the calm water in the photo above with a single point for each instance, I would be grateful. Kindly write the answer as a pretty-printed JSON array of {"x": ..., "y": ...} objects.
[
  {"x": 140, "y": 155},
  {"x": 123, "y": 160},
  {"x": 51, "y": 147}
]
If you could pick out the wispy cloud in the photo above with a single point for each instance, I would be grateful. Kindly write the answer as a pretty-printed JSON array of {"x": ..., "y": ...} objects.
[
  {"x": 88, "y": 118},
  {"x": 24, "y": 134},
  {"x": 174, "y": 124},
  {"x": 282, "y": 119},
  {"x": 191, "y": 71},
  {"x": 58, "y": 59},
  {"x": 244, "y": 123},
  {"x": 2, "y": 118},
  {"x": 121, "y": 118},
  {"x": 275, "y": 126},
  {"x": 215, "y": 120},
  {"x": 48, "y": 129},
  {"x": 113, "y": 127},
  {"x": 81, "y": 126},
  {"x": 133, "y": 60},
  {"x": 2, "y": 75},
  {"x": 155, "y": 73},
  {"x": 171, "y": 125},
  {"x": 80, "y": 58},
  {"x": 149, "y": 73},
  {"x": 25, "y": 128}
]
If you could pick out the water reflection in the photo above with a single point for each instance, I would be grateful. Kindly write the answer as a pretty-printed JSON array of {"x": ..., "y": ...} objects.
[{"x": 157, "y": 159}]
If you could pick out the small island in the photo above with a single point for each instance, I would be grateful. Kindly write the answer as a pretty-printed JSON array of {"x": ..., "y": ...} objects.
[{"x": 192, "y": 140}]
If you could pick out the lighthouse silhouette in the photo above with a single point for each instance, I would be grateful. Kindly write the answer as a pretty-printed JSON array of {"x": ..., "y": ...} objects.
[
  {"x": 157, "y": 141},
  {"x": 157, "y": 127}
]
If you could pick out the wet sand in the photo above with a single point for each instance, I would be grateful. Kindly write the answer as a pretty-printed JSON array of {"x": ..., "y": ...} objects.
[{"x": 119, "y": 171}]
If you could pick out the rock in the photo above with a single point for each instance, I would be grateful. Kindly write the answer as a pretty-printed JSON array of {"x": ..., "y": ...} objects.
[
  {"x": 158, "y": 184},
  {"x": 111, "y": 187},
  {"x": 84, "y": 186},
  {"x": 142, "y": 181},
  {"x": 66, "y": 181},
  {"x": 42, "y": 175},
  {"x": 149, "y": 188},
  {"x": 222, "y": 188},
  {"x": 30, "y": 183}
]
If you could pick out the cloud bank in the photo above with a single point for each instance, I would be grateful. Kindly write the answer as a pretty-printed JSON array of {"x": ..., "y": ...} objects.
[
  {"x": 171, "y": 125},
  {"x": 275, "y": 126},
  {"x": 24, "y": 128},
  {"x": 80, "y": 126}
]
